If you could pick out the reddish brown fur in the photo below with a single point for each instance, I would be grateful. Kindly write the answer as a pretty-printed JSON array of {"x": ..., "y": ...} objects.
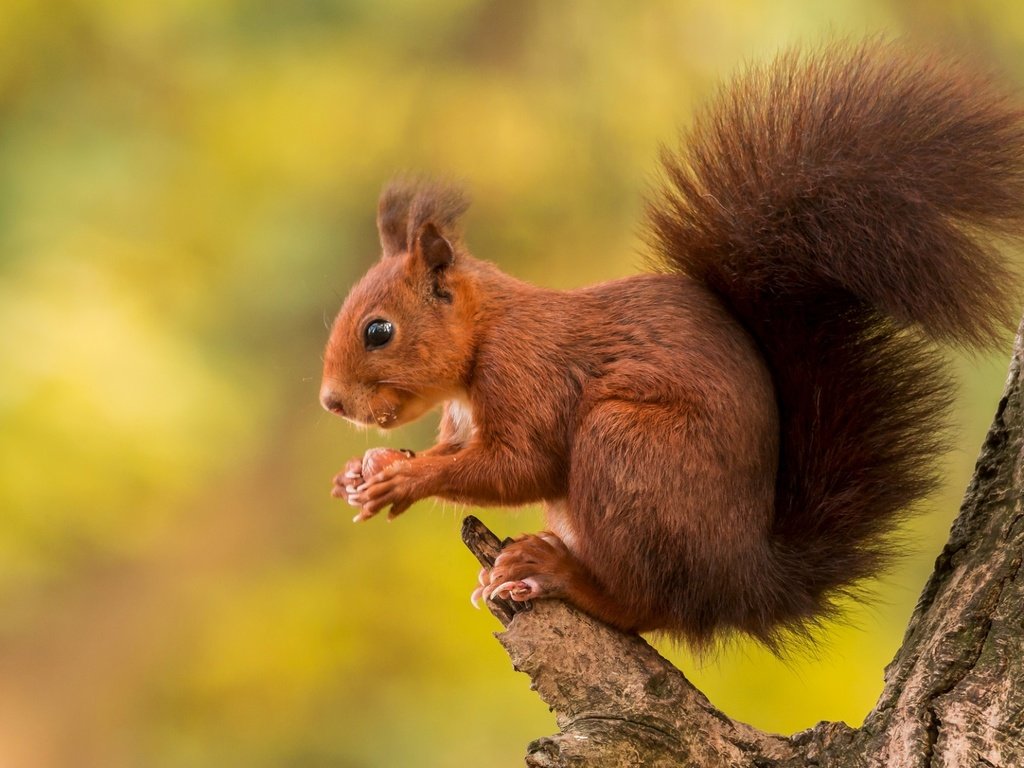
[{"x": 727, "y": 445}]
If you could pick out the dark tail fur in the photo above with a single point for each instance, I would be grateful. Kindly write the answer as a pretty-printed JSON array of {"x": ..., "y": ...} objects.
[{"x": 846, "y": 205}]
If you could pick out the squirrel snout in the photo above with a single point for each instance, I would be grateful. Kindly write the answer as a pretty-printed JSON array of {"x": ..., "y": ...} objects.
[{"x": 330, "y": 400}]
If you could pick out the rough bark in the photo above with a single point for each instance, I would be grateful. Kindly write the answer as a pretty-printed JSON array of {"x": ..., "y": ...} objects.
[{"x": 953, "y": 696}]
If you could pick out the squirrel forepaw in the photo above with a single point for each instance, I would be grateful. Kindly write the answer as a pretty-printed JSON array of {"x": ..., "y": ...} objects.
[{"x": 394, "y": 486}]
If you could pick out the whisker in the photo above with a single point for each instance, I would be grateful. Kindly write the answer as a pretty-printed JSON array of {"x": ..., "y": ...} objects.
[
  {"x": 373, "y": 413},
  {"x": 389, "y": 414}
]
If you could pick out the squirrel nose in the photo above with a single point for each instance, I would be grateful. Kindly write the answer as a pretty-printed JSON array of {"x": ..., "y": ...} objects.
[{"x": 330, "y": 400}]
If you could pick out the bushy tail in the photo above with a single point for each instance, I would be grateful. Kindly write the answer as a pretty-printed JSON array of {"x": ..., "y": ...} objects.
[{"x": 847, "y": 205}]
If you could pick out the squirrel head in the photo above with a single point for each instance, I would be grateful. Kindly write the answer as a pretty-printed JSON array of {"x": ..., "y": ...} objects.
[{"x": 403, "y": 340}]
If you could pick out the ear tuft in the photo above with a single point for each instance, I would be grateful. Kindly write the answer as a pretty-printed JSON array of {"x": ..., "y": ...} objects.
[
  {"x": 408, "y": 206},
  {"x": 393, "y": 217}
]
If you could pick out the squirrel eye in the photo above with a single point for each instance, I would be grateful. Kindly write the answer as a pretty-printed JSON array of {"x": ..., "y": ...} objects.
[{"x": 378, "y": 333}]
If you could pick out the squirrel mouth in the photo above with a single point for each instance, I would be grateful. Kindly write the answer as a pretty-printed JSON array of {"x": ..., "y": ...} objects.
[
  {"x": 372, "y": 411},
  {"x": 381, "y": 415},
  {"x": 366, "y": 421}
]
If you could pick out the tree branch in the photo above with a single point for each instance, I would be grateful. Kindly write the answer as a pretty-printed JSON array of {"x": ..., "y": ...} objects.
[{"x": 954, "y": 693}]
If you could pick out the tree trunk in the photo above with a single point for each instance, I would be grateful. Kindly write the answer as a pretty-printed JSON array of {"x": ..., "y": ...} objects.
[{"x": 953, "y": 696}]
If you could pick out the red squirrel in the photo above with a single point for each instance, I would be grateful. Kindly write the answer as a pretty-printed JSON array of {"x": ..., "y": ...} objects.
[{"x": 725, "y": 444}]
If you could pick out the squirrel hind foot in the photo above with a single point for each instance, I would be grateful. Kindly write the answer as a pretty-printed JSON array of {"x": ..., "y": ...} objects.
[
  {"x": 540, "y": 566},
  {"x": 533, "y": 566}
]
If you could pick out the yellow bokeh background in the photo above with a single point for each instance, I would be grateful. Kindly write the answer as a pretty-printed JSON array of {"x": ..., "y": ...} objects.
[{"x": 187, "y": 189}]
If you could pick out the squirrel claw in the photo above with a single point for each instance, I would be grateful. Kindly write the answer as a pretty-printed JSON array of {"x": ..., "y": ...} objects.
[
  {"x": 519, "y": 590},
  {"x": 515, "y": 590},
  {"x": 482, "y": 580},
  {"x": 474, "y": 598},
  {"x": 363, "y": 514}
]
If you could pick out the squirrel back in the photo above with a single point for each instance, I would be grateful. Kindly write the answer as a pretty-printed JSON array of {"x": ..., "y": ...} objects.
[{"x": 846, "y": 205}]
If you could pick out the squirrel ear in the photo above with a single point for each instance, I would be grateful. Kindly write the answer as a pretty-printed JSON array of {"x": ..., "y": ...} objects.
[{"x": 432, "y": 248}]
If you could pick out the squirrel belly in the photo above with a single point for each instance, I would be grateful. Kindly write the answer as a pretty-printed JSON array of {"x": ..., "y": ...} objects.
[{"x": 726, "y": 445}]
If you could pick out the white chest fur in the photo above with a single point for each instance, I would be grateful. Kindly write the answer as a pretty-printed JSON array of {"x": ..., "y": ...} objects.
[{"x": 460, "y": 414}]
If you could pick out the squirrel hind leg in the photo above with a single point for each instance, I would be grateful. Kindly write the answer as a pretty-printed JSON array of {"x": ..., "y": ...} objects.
[{"x": 672, "y": 510}]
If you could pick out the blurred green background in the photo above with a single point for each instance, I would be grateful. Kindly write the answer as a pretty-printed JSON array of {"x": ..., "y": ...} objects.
[{"x": 187, "y": 189}]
